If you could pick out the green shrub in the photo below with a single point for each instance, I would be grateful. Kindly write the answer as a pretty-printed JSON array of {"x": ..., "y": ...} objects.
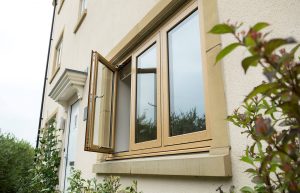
[
  {"x": 47, "y": 161},
  {"x": 16, "y": 159},
  {"x": 270, "y": 115},
  {"x": 110, "y": 184}
]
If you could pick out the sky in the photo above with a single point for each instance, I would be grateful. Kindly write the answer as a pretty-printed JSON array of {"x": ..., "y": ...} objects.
[{"x": 24, "y": 37}]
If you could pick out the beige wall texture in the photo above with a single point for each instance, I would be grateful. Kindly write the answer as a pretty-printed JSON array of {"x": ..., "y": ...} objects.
[{"x": 108, "y": 21}]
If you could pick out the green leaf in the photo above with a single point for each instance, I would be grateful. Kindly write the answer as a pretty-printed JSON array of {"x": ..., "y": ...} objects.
[
  {"x": 250, "y": 61},
  {"x": 221, "y": 29},
  {"x": 259, "y": 26},
  {"x": 259, "y": 147},
  {"x": 274, "y": 167},
  {"x": 289, "y": 107},
  {"x": 261, "y": 89},
  {"x": 293, "y": 51},
  {"x": 226, "y": 51},
  {"x": 247, "y": 159},
  {"x": 247, "y": 189},
  {"x": 276, "y": 43},
  {"x": 251, "y": 171},
  {"x": 249, "y": 41},
  {"x": 257, "y": 180}
]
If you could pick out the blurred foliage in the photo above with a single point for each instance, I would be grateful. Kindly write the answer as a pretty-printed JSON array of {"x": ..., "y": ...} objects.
[
  {"x": 186, "y": 122},
  {"x": 180, "y": 123},
  {"x": 46, "y": 166},
  {"x": 16, "y": 159},
  {"x": 110, "y": 184},
  {"x": 146, "y": 129},
  {"x": 270, "y": 115}
]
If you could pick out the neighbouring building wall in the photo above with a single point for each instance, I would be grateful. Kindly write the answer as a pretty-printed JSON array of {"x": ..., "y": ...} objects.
[{"x": 108, "y": 21}]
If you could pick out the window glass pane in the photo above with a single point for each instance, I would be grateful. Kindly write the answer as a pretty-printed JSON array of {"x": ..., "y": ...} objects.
[
  {"x": 123, "y": 109},
  {"x": 146, "y": 96},
  {"x": 83, "y": 6},
  {"x": 103, "y": 106},
  {"x": 187, "y": 113},
  {"x": 59, "y": 50}
]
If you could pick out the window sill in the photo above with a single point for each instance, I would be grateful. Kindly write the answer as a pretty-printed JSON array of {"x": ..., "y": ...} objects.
[
  {"x": 208, "y": 164},
  {"x": 60, "y": 6},
  {"x": 80, "y": 20}
]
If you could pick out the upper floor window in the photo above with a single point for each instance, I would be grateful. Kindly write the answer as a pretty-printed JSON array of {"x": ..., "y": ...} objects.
[
  {"x": 82, "y": 12},
  {"x": 83, "y": 6},
  {"x": 58, "y": 54},
  {"x": 156, "y": 99},
  {"x": 60, "y": 5},
  {"x": 57, "y": 57}
]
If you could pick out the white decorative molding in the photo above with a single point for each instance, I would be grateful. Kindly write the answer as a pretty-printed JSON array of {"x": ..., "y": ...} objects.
[{"x": 70, "y": 83}]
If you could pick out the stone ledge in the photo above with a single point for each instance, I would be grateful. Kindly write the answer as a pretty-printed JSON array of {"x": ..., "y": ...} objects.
[{"x": 195, "y": 165}]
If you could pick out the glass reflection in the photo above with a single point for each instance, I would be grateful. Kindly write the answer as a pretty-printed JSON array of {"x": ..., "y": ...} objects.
[
  {"x": 187, "y": 113},
  {"x": 146, "y": 129}
]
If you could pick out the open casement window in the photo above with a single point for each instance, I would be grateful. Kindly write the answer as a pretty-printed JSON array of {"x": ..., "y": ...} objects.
[{"x": 100, "y": 105}]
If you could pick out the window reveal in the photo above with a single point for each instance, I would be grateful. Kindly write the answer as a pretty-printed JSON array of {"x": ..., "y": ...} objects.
[
  {"x": 58, "y": 54},
  {"x": 122, "y": 130}
]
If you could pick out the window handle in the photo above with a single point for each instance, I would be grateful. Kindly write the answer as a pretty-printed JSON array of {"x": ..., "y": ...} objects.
[
  {"x": 152, "y": 105},
  {"x": 98, "y": 97}
]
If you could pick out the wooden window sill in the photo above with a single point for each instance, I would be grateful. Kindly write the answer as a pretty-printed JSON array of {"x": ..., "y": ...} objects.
[
  {"x": 201, "y": 164},
  {"x": 80, "y": 21},
  {"x": 201, "y": 146}
]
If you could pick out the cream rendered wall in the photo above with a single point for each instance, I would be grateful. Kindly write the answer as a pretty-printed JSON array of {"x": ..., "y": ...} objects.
[
  {"x": 105, "y": 24},
  {"x": 282, "y": 15},
  {"x": 108, "y": 21}
]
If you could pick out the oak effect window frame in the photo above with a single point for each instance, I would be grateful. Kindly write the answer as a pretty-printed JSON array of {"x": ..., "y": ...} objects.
[
  {"x": 155, "y": 41},
  {"x": 193, "y": 136},
  {"x": 187, "y": 143},
  {"x": 103, "y": 142},
  {"x": 164, "y": 145}
]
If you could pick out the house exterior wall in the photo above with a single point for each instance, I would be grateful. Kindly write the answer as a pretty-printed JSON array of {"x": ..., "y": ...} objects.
[{"x": 107, "y": 22}]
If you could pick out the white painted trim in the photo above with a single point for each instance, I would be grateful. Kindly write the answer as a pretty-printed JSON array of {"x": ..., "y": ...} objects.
[{"x": 69, "y": 84}]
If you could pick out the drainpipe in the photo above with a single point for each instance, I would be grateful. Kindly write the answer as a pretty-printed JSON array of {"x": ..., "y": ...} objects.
[{"x": 45, "y": 78}]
